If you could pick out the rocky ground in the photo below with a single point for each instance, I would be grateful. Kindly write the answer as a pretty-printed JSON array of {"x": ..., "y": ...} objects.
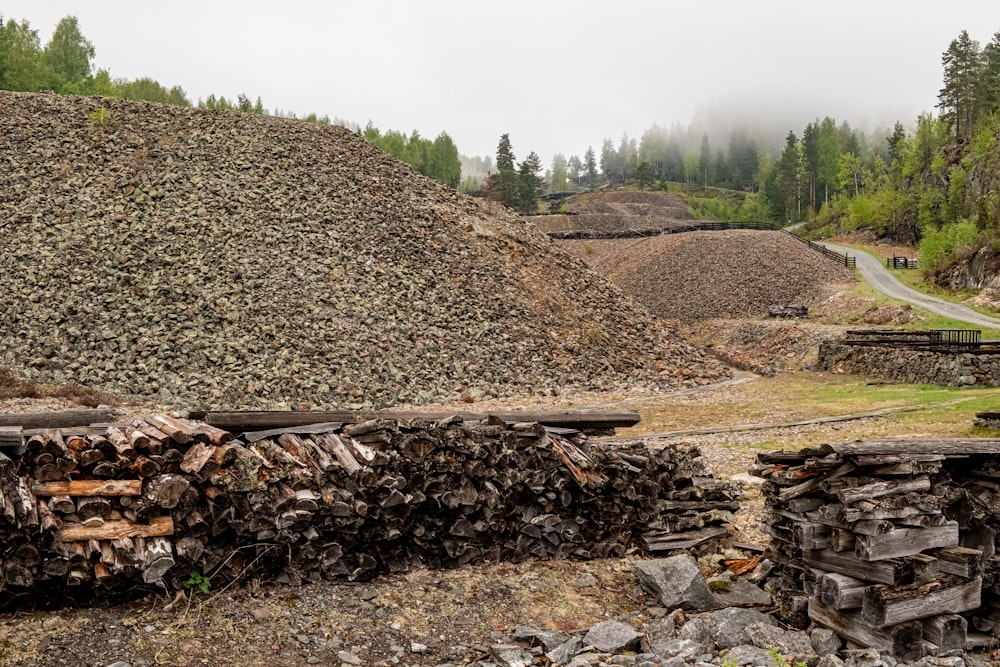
[
  {"x": 746, "y": 272},
  {"x": 208, "y": 258}
]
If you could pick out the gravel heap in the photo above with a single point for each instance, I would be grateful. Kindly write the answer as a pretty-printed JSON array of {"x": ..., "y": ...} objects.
[
  {"x": 197, "y": 258},
  {"x": 616, "y": 211},
  {"x": 709, "y": 274}
]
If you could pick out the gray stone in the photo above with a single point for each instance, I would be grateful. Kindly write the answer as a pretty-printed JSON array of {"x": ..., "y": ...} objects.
[
  {"x": 550, "y": 639},
  {"x": 675, "y": 582},
  {"x": 825, "y": 641},
  {"x": 659, "y": 631},
  {"x": 564, "y": 653},
  {"x": 348, "y": 658},
  {"x": 586, "y": 581},
  {"x": 744, "y": 655},
  {"x": 868, "y": 658},
  {"x": 733, "y": 591},
  {"x": 612, "y": 637},
  {"x": 724, "y": 628},
  {"x": 120, "y": 663},
  {"x": 770, "y": 636},
  {"x": 511, "y": 655},
  {"x": 685, "y": 649},
  {"x": 830, "y": 660}
]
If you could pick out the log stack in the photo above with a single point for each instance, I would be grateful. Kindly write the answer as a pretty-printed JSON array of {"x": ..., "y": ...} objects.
[
  {"x": 890, "y": 543},
  {"x": 119, "y": 509}
]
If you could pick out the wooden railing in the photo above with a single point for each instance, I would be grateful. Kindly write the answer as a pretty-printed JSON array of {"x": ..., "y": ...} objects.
[{"x": 949, "y": 339}]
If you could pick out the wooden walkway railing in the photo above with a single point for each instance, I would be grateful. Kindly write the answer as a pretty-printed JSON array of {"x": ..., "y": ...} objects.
[{"x": 931, "y": 339}]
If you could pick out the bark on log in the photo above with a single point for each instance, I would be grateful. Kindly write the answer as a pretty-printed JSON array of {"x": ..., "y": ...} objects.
[
  {"x": 63, "y": 419},
  {"x": 90, "y": 487}
]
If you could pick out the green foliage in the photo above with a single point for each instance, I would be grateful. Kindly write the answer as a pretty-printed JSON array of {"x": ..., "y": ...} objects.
[
  {"x": 939, "y": 245},
  {"x": 196, "y": 581},
  {"x": 67, "y": 59},
  {"x": 99, "y": 116}
]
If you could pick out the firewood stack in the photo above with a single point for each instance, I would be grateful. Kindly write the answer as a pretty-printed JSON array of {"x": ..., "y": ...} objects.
[
  {"x": 117, "y": 509},
  {"x": 890, "y": 543}
]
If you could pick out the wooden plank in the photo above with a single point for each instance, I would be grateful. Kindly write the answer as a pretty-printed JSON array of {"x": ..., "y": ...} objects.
[
  {"x": 902, "y": 641},
  {"x": 960, "y": 561},
  {"x": 61, "y": 419},
  {"x": 947, "y": 631},
  {"x": 891, "y": 571},
  {"x": 115, "y": 530},
  {"x": 90, "y": 487},
  {"x": 906, "y": 541},
  {"x": 886, "y": 605},
  {"x": 240, "y": 421},
  {"x": 841, "y": 591},
  {"x": 903, "y": 446},
  {"x": 851, "y": 495}
]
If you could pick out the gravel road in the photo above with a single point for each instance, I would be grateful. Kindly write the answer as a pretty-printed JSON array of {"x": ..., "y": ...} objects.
[{"x": 880, "y": 278}]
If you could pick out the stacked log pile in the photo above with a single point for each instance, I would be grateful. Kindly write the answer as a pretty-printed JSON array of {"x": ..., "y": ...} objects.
[
  {"x": 890, "y": 543},
  {"x": 117, "y": 509}
]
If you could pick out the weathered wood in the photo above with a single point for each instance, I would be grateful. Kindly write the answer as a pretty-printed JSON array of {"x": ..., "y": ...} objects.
[
  {"x": 116, "y": 530},
  {"x": 12, "y": 437},
  {"x": 656, "y": 541},
  {"x": 811, "y": 485},
  {"x": 916, "y": 446},
  {"x": 947, "y": 631},
  {"x": 175, "y": 429},
  {"x": 892, "y": 571},
  {"x": 906, "y": 541},
  {"x": 851, "y": 495},
  {"x": 196, "y": 457},
  {"x": 902, "y": 641},
  {"x": 238, "y": 422},
  {"x": 841, "y": 591},
  {"x": 884, "y": 605},
  {"x": 960, "y": 561},
  {"x": 166, "y": 490},
  {"x": 90, "y": 487},
  {"x": 61, "y": 419}
]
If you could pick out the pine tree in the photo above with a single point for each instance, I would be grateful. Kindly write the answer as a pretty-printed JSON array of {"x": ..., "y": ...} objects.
[
  {"x": 529, "y": 184},
  {"x": 590, "y": 168},
  {"x": 506, "y": 186},
  {"x": 959, "y": 99}
]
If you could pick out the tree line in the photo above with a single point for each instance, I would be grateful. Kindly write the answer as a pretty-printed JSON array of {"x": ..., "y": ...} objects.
[{"x": 65, "y": 65}]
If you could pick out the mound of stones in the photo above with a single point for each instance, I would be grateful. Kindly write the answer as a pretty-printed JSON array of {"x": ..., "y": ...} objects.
[
  {"x": 616, "y": 212},
  {"x": 199, "y": 257},
  {"x": 700, "y": 275}
]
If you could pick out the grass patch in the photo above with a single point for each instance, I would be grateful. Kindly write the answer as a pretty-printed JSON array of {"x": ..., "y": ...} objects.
[
  {"x": 803, "y": 395},
  {"x": 11, "y": 386}
]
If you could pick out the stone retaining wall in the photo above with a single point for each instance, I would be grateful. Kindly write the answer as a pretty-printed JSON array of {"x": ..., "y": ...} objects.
[{"x": 950, "y": 369}]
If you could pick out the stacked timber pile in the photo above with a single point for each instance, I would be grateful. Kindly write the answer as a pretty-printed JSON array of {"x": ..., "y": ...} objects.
[
  {"x": 890, "y": 543},
  {"x": 197, "y": 257},
  {"x": 120, "y": 508}
]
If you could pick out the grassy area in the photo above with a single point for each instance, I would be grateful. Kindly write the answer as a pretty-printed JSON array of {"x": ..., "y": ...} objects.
[
  {"x": 924, "y": 410},
  {"x": 12, "y": 386}
]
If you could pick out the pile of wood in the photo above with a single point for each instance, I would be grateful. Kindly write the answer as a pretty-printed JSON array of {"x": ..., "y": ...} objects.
[
  {"x": 890, "y": 543},
  {"x": 117, "y": 509}
]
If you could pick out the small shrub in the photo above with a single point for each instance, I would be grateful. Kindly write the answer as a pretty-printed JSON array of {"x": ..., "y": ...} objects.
[
  {"x": 100, "y": 116},
  {"x": 197, "y": 582}
]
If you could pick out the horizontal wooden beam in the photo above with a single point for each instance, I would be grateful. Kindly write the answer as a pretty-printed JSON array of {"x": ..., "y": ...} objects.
[
  {"x": 160, "y": 526},
  {"x": 61, "y": 419},
  {"x": 240, "y": 421},
  {"x": 89, "y": 487}
]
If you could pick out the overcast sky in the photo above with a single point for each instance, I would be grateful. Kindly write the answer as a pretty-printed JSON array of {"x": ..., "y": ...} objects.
[{"x": 557, "y": 76}]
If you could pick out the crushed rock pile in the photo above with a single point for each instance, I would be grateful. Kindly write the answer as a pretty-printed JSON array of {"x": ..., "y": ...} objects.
[
  {"x": 197, "y": 257},
  {"x": 616, "y": 211},
  {"x": 714, "y": 274}
]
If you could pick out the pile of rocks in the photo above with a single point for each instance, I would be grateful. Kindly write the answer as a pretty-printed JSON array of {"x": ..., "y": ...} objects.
[
  {"x": 688, "y": 624},
  {"x": 208, "y": 258},
  {"x": 714, "y": 274}
]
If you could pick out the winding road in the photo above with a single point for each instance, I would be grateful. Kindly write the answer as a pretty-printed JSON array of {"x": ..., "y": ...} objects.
[{"x": 879, "y": 277}]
